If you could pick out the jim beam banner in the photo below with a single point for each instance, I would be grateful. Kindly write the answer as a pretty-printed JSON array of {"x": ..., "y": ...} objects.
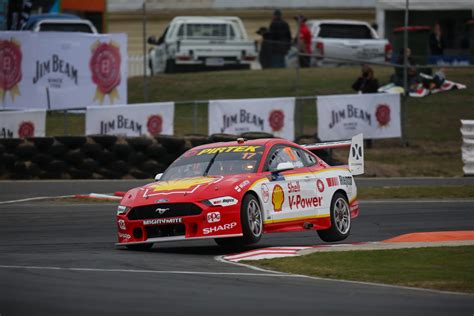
[
  {"x": 148, "y": 119},
  {"x": 275, "y": 116},
  {"x": 21, "y": 124},
  {"x": 59, "y": 70},
  {"x": 343, "y": 116}
]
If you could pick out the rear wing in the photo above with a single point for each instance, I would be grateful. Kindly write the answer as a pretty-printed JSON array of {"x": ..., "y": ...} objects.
[{"x": 356, "y": 152}]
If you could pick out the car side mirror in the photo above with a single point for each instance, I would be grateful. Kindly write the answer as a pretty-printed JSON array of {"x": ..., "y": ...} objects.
[
  {"x": 284, "y": 166},
  {"x": 152, "y": 40},
  {"x": 158, "y": 176}
]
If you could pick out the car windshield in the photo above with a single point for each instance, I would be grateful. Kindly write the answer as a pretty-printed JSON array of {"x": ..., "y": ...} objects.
[
  {"x": 215, "y": 161},
  {"x": 201, "y": 30},
  {"x": 345, "y": 31},
  {"x": 65, "y": 27}
]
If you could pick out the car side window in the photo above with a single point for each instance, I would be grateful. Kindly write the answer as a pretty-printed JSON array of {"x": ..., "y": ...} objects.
[
  {"x": 309, "y": 160},
  {"x": 284, "y": 154}
]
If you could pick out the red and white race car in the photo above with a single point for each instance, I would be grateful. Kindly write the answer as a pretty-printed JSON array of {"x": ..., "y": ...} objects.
[{"x": 236, "y": 191}]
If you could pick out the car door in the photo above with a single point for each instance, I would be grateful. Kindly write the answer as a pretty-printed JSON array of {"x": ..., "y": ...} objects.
[
  {"x": 290, "y": 193},
  {"x": 318, "y": 184}
]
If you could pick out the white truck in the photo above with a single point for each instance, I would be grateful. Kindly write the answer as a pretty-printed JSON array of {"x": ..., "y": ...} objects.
[
  {"x": 197, "y": 43},
  {"x": 53, "y": 22},
  {"x": 337, "y": 42}
]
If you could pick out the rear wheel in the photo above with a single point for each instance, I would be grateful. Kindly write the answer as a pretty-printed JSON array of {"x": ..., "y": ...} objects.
[
  {"x": 139, "y": 247},
  {"x": 340, "y": 220},
  {"x": 252, "y": 224}
]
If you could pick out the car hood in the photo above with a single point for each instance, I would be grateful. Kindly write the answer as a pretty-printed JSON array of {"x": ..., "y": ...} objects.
[{"x": 188, "y": 189}]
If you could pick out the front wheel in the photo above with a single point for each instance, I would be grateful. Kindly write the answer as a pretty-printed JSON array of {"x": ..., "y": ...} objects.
[
  {"x": 251, "y": 219},
  {"x": 340, "y": 220}
]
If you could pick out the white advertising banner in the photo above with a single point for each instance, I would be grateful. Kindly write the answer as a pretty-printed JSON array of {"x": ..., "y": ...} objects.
[
  {"x": 149, "y": 119},
  {"x": 275, "y": 116},
  {"x": 343, "y": 116},
  {"x": 60, "y": 70},
  {"x": 20, "y": 124}
]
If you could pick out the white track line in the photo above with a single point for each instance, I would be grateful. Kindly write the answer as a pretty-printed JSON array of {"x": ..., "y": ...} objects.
[
  {"x": 268, "y": 273},
  {"x": 279, "y": 274},
  {"x": 399, "y": 287},
  {"x": 37, "y": 199}
]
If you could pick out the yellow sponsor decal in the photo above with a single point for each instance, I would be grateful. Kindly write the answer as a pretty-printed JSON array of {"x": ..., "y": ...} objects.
[
  {"x": 181, "y": 184},
  {"x": 229, "y": 149},
  {"x": 278, "y": 197}
]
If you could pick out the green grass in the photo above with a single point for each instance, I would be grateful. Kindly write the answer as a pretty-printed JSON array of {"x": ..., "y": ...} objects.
[
  {"x": 442, "y": 268},
  {"x": 417, "y": 192},
  {"x": 432, "y": 125}
]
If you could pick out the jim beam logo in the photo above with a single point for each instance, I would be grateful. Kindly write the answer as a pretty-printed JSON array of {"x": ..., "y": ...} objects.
[
  {"x": 382, "y": 114},
  {"x": 10, "y": 68},
  {"x": 242, "y": 117},
  {"x": 154, "y": 124},
  {"x": 105, "y": 68},
  {"x": 276, "y": 119}
]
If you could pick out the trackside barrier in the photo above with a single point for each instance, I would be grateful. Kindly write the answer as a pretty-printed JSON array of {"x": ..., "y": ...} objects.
[{"x": 467, "y": 132}]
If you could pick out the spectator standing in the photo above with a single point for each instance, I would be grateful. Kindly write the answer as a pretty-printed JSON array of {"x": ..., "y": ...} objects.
[
  {"x": 303, "y": 41},
  {"x": 436, "y": 41},
  {"x": 280, "y": 35},
  {"x": 366, "y": 83},
  {"x": 265, "y": 53}
]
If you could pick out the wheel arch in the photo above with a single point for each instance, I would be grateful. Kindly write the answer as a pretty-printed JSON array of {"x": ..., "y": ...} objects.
[
  {"x": 252, "y": 192},
  {"x": 342, "y": 192}
]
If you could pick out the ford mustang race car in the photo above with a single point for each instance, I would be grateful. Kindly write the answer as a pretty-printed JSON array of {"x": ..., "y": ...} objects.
[{"x": 234, "y": 192}]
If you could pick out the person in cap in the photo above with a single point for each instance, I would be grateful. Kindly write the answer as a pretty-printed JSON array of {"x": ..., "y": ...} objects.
[{"x": 280, "y": 36}]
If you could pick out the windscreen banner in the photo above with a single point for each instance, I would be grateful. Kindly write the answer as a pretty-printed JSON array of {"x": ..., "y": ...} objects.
[
  {"x": 275, "y": 116},
  {"x": 61, "y": 70},
  {"x": 148, "y": 119},
  {"x": 342, "y": 116},
  {"x": 21, "y": 124}
]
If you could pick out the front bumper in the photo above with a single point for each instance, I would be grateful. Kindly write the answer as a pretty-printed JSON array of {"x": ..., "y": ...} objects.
[{"x": 212, "y": 222}]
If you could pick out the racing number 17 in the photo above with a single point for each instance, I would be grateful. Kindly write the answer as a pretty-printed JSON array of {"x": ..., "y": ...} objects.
[{"x": 248, "y": 155}]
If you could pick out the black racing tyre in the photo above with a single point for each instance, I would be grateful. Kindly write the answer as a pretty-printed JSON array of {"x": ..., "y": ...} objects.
[
  {"x": 26, "y": 150},
  {"x": 251, "y": 219},
  {"x": 106, "y": 141},
  {"x": 340, "y": 220},
  {"x": 140, "y": 247}
]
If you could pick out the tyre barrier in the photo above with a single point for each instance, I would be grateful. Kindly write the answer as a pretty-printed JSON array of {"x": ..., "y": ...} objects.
[{"x": 97, "y": 157}]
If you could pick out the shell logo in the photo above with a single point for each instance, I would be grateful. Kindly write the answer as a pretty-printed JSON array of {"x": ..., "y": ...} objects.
[{"x": 278, "y": 196}]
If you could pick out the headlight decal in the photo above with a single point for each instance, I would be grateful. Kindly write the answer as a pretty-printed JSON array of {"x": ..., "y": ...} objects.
[
  {"x": 222, "y": 201},
  {"x": 122, "y": 209}
]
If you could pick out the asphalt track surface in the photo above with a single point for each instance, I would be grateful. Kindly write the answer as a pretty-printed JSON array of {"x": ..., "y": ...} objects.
[
  {"x": 11, "y": 190},
  {"x": 59, "y": 258}
]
